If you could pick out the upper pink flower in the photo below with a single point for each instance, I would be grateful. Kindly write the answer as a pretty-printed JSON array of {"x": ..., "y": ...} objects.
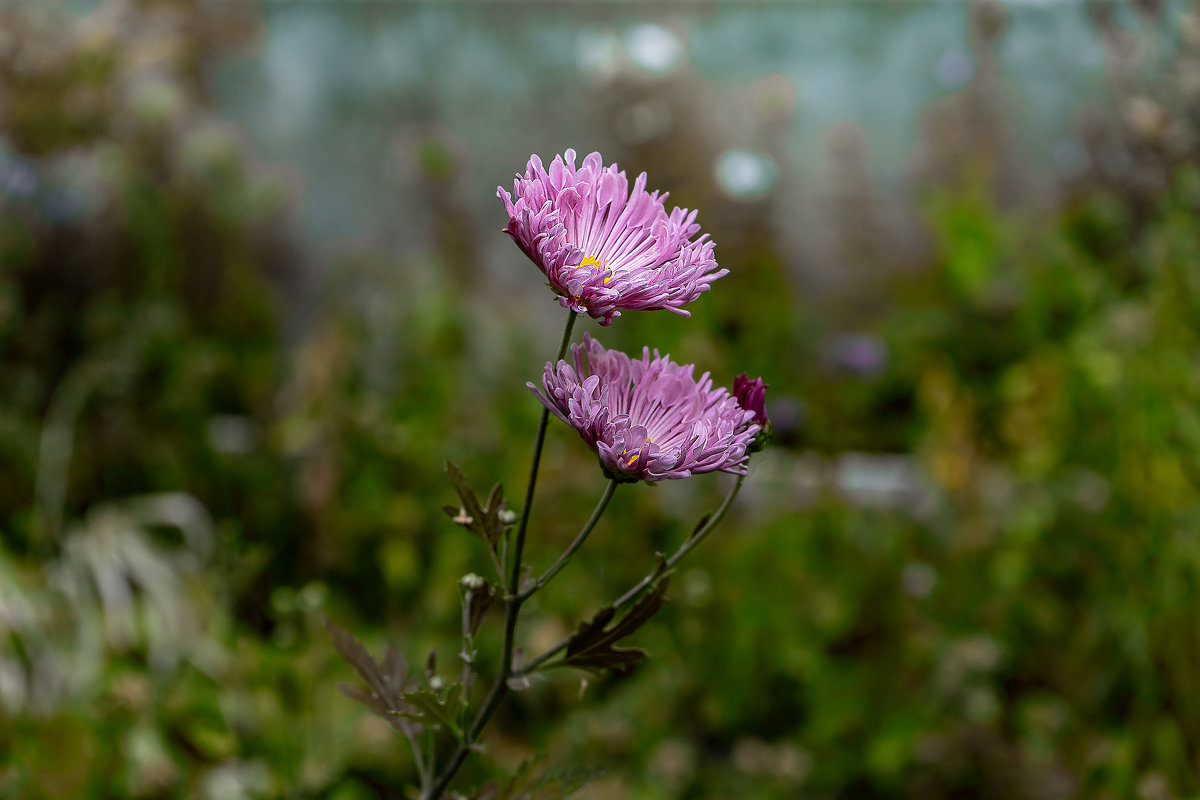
[{"x": 605, "y": 248}]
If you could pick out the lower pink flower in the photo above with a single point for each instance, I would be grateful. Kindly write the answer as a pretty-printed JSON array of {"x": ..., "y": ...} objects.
[{"x": 648, "y": 419}]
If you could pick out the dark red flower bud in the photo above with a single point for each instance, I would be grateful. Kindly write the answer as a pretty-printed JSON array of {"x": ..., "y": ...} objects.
[{"x": 751, "y": 396}]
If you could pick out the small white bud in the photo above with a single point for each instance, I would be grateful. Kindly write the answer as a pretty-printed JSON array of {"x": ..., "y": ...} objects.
[
  {"x": 437, "y": 683},
  {"x": 508, "y": 516},
  {"x": 472, "y": 581}
]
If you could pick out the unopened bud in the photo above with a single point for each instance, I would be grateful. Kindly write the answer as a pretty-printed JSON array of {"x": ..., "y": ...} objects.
[
  {"x": 751, "y": 396},
  {"x": 760, "y": 440},
  {"x": 472, "y": 582},
  {"x": 507, "y": 516}
]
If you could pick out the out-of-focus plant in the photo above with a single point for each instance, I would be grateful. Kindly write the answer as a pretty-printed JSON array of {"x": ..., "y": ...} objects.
[
  {"x": 139, "y": 339},
  {"x": 136, "y": 319},
  {"x": 119, "y": 592}
]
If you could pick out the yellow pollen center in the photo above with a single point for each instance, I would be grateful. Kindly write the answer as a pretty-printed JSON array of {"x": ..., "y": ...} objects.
[
  {"x": 638, "y": 454},
  {"x": 601, "y": 266}
]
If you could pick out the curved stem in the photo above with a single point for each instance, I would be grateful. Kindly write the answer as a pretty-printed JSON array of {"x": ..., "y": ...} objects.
[
  {"x": 685, "y": 548},
  {"x": 646, "y": 582},
  {"x": 512, "y": 602},
  {"x": 597, "y": 512}
]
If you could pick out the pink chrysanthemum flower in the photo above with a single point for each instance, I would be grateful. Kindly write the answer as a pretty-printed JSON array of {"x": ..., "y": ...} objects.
[
  {"x": 648, "y": 419},
  {"x": 605, "y": 248}
]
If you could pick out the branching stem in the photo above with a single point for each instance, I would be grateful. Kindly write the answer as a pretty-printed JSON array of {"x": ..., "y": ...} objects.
[
  {"x": 597, "y": 512},
  {"x": 512, "y": 602},
  {"x": 636, "y": 592}
]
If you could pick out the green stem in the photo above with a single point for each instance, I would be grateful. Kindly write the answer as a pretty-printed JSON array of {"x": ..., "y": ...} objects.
[
  {"x": 424, "y": 772},
  {"x": 514, "y": 586},
  {"x": 686, "y": 548},
  {"x": 512, "y": 602},
  {"x": 597, "y": 512},
  {"x": 649, "y": 580}
]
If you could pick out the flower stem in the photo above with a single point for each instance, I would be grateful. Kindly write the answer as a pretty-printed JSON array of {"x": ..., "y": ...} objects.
[
  {"x": 646, "y": 582},
  {"x": 424, "y": 770},
  {"x": 514, "y": 587},
  {"x": 685, "y": 548},
  {"x": 512, "y": 602},
  {"x": 597, "y": 512}
]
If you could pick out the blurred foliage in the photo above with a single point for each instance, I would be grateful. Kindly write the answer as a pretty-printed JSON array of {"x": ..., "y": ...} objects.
[{"x": 968, "y": 567}]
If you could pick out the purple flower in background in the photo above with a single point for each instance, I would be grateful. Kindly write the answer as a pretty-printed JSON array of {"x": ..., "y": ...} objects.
[
  {"x": 857, "y": 353},
  {"x": 648, "y": 419},
  {"x": 604, "y": 247}
]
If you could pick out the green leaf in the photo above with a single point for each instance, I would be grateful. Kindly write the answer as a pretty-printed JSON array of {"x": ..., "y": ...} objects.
[
  {"x": 533, "y": 782},
  {"x": 592, "y": 646},
  {"x": 441, "y": 708}
]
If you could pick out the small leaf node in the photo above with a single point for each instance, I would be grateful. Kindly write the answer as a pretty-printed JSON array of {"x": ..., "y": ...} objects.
[
  {"x": 440, "y": 707},
  {"x": 485, "y": 521},
  {"x": 478, "y": 603}
]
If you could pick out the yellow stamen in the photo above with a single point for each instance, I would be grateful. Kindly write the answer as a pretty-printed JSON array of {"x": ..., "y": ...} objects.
[
  {"x": 601, "y": 266},
  {"x": 638, "y": 454}
]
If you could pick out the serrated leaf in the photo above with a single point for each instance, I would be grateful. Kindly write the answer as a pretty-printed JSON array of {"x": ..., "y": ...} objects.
[
  {"x": 470, "y": 503},
  {"x": 395, "y": 667},
  {"x": 440, "y": 708},
  {"x": 533, "y": 782},
  {"x": 592, "y": 646},
  {"x": 356, "y": 655},
  {"x": 483, "y": 521},
  {"x": 385, "y": 684},
  {"x": 369, "y": 699}
]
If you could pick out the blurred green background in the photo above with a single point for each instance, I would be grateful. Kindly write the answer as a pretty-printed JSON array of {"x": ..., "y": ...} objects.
[{"x": 253, "y": 292}]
